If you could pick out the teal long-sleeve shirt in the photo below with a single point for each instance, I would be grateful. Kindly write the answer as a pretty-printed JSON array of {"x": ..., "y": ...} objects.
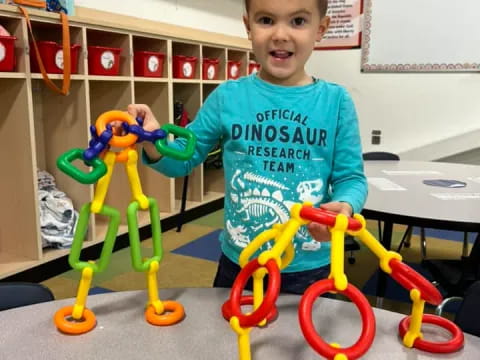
[{"x": 281, "y": 146}]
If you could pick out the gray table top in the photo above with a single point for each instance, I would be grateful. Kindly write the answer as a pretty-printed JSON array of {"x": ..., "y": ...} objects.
[
  {"x": 459, "y": 207},
  {"x": 122, "y": 332}
]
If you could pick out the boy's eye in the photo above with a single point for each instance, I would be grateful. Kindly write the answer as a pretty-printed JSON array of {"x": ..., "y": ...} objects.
[
  {"x": 298, "y": 21},
  {"x": 265, "y": 20}
]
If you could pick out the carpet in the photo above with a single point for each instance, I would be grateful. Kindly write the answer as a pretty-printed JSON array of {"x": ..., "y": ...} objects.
[
  {"x": 99, "y": 290},
  {"x": 206, "y": 247},
  {"x": 446, "y": 234}
]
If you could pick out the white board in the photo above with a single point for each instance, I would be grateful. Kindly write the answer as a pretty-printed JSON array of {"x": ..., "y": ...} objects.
[{"x": 421, "y": 35}]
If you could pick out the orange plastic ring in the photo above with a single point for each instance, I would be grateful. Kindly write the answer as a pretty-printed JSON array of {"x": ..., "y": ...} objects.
[
  {"x": 74, "y": 328},
  {"x": 176, "y": 313},
  {"x": 116, "y": 115},
  {"x": 122, "y": 156}
]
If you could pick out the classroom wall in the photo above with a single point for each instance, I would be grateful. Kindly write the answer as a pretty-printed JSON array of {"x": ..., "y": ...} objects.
[
  {"x": 223, "y": 16},
  {"x": 421, "y": 116}
]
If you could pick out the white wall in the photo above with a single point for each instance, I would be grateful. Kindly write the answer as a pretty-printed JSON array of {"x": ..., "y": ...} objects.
[
  {"x": 221, "y": 16},
  {"x": 421, "y": 116}
]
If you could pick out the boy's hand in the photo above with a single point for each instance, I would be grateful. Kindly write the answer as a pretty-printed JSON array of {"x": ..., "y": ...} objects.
[
  {"x": 320, "y": 232},
  {"x": 143, "y": 111},
  {"x": 150, "y": 123}
]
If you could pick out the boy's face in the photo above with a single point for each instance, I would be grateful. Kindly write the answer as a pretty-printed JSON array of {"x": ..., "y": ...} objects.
[{"x": 283, "y": 35}]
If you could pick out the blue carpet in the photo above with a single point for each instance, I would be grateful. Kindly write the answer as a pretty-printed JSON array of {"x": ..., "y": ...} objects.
[
  {"x": 446, "y": 234},
  {"x": 99, "y": 290},
  {"x": 206, "y": 247}
]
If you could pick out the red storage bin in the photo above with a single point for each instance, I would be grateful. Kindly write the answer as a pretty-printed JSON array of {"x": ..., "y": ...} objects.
[
  {"x": 184, "y": 67},
  {"x": 148, "y": 63},
  {"x": 233, "y": 69},
  {"x": 210, "y": 69},
  {"x": 253, "y": 67},
  {"x": 103, "y": 60},
  {"x": 7, "y": 53},
  {"x": 52, "y": 57}
]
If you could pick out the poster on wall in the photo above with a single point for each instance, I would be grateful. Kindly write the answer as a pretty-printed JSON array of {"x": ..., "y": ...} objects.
[{"x": 345, "y": 31}]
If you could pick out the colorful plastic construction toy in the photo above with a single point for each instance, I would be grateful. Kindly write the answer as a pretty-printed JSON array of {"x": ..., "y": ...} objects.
[
  {"x": 281, "y": 254},
  {"x": 102, "y": 160}
]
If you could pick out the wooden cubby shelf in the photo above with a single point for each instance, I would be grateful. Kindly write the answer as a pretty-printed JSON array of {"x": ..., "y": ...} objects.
[
  {"x": 189, "y": 50},
  {"x": 241, "y": 57},
  {"x": 216, "y": 53},
  {"x": 39, "y": 125},
  {"x": 51, "y": 32}
]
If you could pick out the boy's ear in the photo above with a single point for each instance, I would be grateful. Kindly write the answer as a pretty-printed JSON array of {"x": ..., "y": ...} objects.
[
  {"x": 323, "y": 27},
  {"x": 247, "y": 26}
]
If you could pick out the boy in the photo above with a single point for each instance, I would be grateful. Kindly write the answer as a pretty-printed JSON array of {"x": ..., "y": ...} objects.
[{"x": 286, "y": 138}]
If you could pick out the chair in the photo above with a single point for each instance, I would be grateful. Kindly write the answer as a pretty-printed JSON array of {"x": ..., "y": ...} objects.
[
  {"x": 350, "y": 243},
  {"x": 16, "y": 294},
  {"x": 468, "y": 316},
  {"x": 460, "y": 279},
  {"x": 388, "y": 156},
  {"x": 455, "y": 276},
  {"x": 380, "y": 156}
]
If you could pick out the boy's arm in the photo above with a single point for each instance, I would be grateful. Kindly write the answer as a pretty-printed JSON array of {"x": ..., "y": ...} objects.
[
  {"x": 150, "y": 154},
  {"x": 348, "y": 180},
  {"x": 206, "y": 127}
]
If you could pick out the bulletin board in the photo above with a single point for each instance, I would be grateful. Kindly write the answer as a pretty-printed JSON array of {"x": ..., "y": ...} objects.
[
  {"x": 345, "y": 30},
  {"x": 421, "y": 36}
]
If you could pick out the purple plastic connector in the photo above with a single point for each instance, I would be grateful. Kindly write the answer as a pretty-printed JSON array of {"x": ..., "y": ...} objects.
[
  {"x": 97, "y": 143},
  {"x": 143, "y": 135}
]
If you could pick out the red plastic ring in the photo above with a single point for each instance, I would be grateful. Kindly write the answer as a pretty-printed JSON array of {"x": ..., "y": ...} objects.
[
  {"x": 269, "y": 300},
  {"x": 316, "y": 342},
  {"x": 246, "y": 300},
  {"x": 454, "y": 344},
  {"x": 326, "y": 217},
  {"x": 410, "y": 279}
]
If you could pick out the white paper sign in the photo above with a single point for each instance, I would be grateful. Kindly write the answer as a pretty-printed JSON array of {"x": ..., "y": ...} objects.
[
  {"x": 384, "y": 184},
  {"x": 474, "y": 179},
  {"x": 455, "y": 196},
  {"x": 411, "y": 172}
]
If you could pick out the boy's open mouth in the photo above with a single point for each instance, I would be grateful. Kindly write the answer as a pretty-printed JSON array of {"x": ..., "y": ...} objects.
[{"x": 281, "y": 54}]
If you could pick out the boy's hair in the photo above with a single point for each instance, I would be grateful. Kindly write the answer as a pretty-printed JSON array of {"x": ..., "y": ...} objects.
[{"x": 322, "y": 6}]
